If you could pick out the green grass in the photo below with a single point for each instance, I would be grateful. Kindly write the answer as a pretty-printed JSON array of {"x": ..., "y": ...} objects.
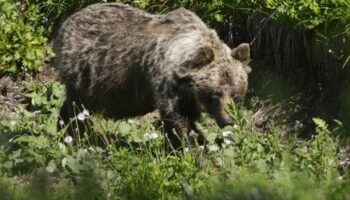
[{"x": 37, "y": 162}]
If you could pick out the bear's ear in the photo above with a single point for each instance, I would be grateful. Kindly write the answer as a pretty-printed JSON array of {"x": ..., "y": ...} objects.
[
  {"x": 242, "y": 52},
  {"x": 200, "y": 57}
]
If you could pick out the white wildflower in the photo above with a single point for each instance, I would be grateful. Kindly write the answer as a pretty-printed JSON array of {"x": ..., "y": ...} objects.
[
  {"x": 68, "y": 139},
  {"x": 61, "y": 123},
  {"x": 13, "y": 123},
  {"x": 51, "y": 167},
  {"x": 227, "y": 142},
  {"x": 146, "y": 135},
  {"x": 213, "y": 148},
  {"x": 81, "y": 116},
  {"x": 192, "y": 133},
  {"x": 136, "y": 1},
  {"x": 343, "y": 162},
  {"x": 154, "y": 135},
  {"x": 83, "y": 151},
  {"x": 61, "y": 146},
  {"x": 227, "y": 133},
  {"x": 235, "y": 126},
  {"x": 64, "y": 162},
  {"x": 151, "y": 136},
  {"x": 86, "y": 112},
  {"x": 186, "y": 149}
]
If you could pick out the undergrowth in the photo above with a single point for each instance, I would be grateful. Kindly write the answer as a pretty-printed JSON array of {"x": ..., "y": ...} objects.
[{"x": 39, "y": 162}]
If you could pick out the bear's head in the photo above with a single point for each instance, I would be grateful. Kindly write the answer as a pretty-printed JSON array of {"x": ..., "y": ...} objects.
[{"x": 213, "y": 73}]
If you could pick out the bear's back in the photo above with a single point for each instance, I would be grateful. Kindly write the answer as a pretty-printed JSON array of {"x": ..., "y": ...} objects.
[{"x": 99, "y": 20}]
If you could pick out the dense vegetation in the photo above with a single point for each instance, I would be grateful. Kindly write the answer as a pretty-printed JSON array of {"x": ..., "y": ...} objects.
[
  {"x": 37, "y": 162},
  {"x": 27, "y": 24},
  {"x": 303, "y": 42}
]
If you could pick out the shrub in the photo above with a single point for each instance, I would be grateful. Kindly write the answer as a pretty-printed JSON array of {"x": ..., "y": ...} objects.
[{"x": 22, "y": 40}]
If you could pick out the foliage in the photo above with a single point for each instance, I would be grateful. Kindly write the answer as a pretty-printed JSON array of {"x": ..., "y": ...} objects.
[
  {"x": 324, "y": 15},
  {"x": 39, "y": 162},
  {"x": 27, "y": 24},
  {"x": 22, "y": 40},
  {"x": 329, "y": 20}
]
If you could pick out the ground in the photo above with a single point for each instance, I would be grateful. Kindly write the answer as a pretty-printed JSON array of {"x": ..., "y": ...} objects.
[{"x": 13, "y": 89}]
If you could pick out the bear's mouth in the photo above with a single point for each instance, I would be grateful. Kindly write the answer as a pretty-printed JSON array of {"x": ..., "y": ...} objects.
[
  {"x": 214, "y": 105},
  {"x": 222, "y": 122}
]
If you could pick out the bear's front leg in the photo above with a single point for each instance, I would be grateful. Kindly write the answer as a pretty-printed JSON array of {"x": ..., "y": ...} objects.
[{"x": 176, "y": 125}]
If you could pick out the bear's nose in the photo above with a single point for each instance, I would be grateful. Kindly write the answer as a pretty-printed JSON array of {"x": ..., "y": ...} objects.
[{"x": 225, "y": 122}]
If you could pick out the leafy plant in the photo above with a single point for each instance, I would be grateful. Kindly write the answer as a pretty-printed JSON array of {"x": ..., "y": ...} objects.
[
  {"x": 275, "y": 166},
  {"x": 22, "y": 43}
]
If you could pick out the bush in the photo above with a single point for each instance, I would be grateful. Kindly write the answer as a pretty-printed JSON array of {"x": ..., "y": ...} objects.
[
  {"x": 22, "y": 40},
  {"x": 323, "y": 15}
]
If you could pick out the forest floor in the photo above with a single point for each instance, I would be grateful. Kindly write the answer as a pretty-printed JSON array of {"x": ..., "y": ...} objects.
[{"x": 13, "y": 89}]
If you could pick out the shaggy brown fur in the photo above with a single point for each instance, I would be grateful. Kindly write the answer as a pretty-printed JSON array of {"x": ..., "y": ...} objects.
[{"x": 124, "y": 62}]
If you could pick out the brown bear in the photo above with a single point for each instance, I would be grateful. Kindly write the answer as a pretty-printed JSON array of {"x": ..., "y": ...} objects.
[{"x": 124, "y": 62}]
